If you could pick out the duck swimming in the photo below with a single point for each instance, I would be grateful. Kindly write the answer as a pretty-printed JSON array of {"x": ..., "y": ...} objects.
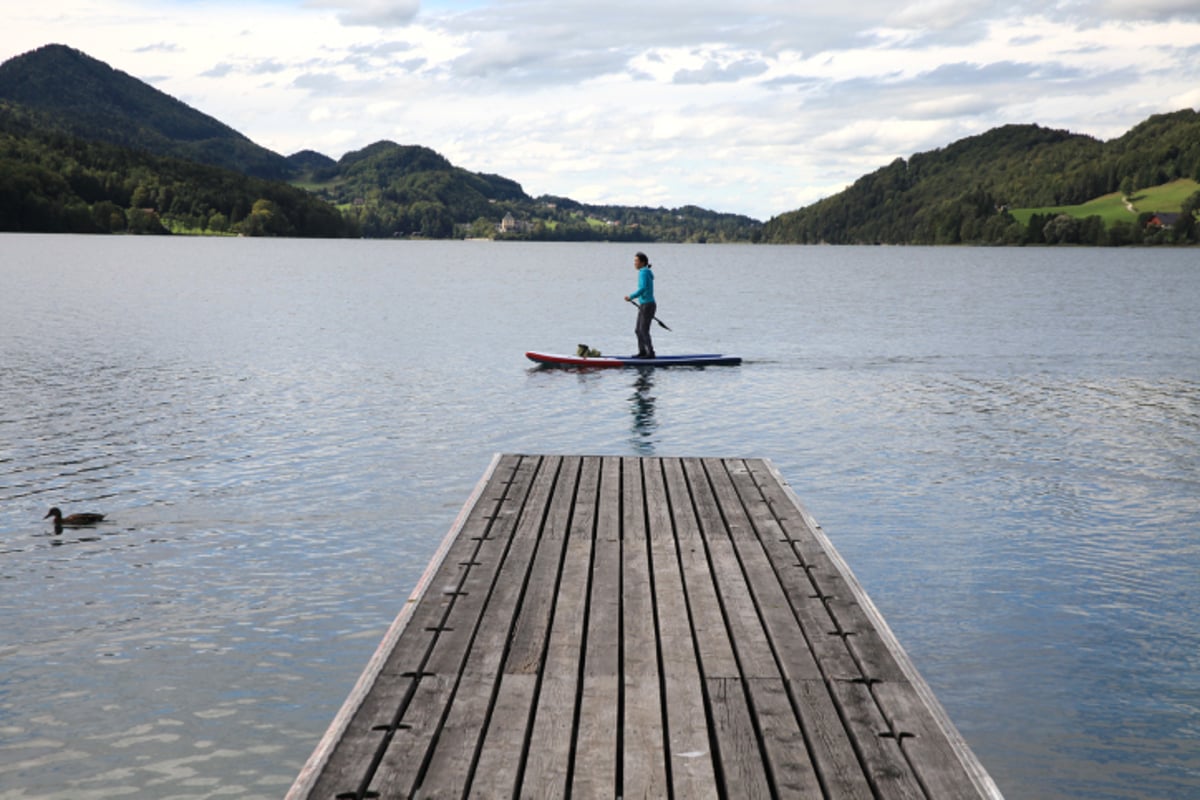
[{"x": 74, "y": 520}]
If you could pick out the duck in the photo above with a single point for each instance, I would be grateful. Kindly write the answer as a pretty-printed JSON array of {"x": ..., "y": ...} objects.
[{"x": 74, "y": 520}]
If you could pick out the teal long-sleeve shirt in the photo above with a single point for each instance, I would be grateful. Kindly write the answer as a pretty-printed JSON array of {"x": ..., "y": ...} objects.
[{"x": 645, "y": 290}]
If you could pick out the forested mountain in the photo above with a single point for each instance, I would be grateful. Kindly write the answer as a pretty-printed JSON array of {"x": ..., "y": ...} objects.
[
  {"x": 56, "y": 94},
  {"x": 403, "y": 190},
  {"x": 74, "y": 93},
  {"x": 53, "y": 182},
  {"x": 963, "y": 193},
  {"x": 389, "y": 189}
]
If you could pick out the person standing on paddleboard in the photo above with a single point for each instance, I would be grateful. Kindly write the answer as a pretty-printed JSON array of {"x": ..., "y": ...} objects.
[{"x": 646, "y": 305}]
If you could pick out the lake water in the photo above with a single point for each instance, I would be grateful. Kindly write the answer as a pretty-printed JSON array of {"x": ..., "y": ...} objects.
[{"x": 1004, "y": 444}]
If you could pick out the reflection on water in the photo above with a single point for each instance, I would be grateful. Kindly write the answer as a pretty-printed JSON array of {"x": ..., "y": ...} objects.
[{"x": 641, "y": 405}]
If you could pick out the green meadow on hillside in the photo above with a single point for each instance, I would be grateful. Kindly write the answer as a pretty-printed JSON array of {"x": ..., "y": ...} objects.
[{"x": 1111, "y": 208}]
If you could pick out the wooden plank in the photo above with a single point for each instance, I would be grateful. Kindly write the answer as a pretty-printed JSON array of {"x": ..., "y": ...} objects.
[
  {"x": 643, "y": 753},
  {"x": 595, "y": 770},
  {"x": 548, "y": 764},
  {"x": 710, "y": 519},
  {"x": 745, "y": 509},
  {"x": 450, "y": 766},
  {"x": 738, "y": 758},
  {"x": 479, "y": 623},
  {"x": 690, "y": 763},
  {"x": 783, "y": 742},
  {"x": 751, "y": 648},
  {"x": 503, "y": 752},
  {"x": 741, "y": 769},
  {"x": 886, "y": 768},
  {"x": 529, "y": 634},
  {"x": 809, "y": 605},
  {"x": 784, "y": 650},
  {"x": 451, "y": 762},
  {"x": 398, "y": 773},
  {"x": 873, "y": 652},
  {"x": 708, "y": 618},
  {"x": 833, "y": 753},
  {"x": 547, "y": 757}
]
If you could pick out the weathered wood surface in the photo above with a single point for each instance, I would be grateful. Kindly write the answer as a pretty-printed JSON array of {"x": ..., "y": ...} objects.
[{"x": 639, "y": 627}]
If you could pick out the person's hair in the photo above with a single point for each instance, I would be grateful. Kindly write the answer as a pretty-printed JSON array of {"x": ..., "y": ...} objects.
[{"x": 642, "y": 257}]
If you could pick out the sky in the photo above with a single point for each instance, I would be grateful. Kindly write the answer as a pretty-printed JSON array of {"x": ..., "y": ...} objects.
[{"x": 755, "y": 107}]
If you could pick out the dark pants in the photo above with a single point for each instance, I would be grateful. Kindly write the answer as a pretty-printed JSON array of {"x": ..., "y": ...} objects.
[{"x": 645, "y": 317}]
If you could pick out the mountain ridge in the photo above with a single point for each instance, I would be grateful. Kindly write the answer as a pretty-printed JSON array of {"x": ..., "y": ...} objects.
[{"x": 959, "y": 193}]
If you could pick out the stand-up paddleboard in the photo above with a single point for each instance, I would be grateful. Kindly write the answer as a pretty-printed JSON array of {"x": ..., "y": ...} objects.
[{"x": 599, "y": 362}]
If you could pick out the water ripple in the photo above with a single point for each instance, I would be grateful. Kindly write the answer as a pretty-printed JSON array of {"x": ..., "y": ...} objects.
[{"x": 1012, "y": 473}]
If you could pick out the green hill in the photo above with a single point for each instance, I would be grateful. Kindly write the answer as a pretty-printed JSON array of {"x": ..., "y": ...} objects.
[
  {"x": 76, "y": 94},
  {"x": 53, "y": 182},
  {"x": 308, "y": 162},
  {"x": 965, "y": 192},
  {"x": 389, "y": 189}
]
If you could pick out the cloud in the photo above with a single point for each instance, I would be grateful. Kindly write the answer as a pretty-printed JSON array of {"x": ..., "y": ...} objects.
[
  {"x": 267, "y": 67},
  {"x": 942, "y": 21},
  {"x": 952, "y": 106},
  {"x": 160, "y": 47},
  {"x": 378, "y": 50},
  {"x": 761, "y": 26},
  {"x": 715, "y": 72},
  {"x": 1151, "y": 10},
  {"x": 994, "y": 74},
  {"x": 551, "y": 59},
  {"x": 325, "y": 83},
  {"x": 792, "y": 82},
  {"x": 219, "y": 71},
  {"x": 373, "y": 13}
]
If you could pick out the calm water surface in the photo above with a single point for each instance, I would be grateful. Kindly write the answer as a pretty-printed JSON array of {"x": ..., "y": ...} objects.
[{"x": 1004, "y": 445}]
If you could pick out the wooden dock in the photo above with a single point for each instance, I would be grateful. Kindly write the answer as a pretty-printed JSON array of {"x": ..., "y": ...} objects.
[{"x": 639, "y": 627}]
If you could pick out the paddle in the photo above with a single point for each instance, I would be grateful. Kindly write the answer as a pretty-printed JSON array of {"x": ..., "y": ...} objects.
[{"x": 656, "y": 319}]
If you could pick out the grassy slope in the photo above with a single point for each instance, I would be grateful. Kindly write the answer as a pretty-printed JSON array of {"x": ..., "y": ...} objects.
[{"x": 1111, "y": 207}]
